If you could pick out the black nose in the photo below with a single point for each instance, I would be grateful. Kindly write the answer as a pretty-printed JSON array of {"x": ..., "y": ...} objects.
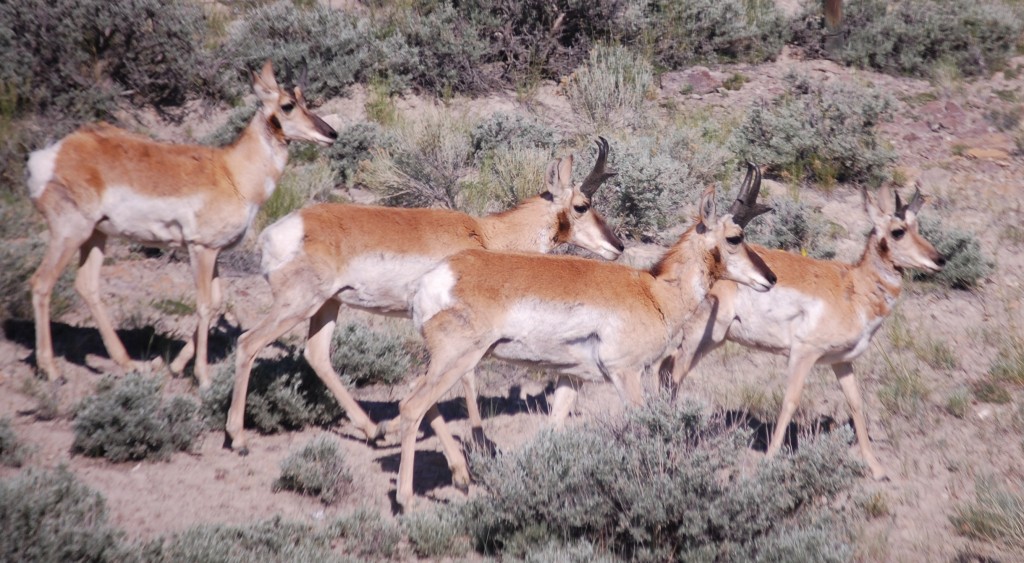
[
  {"x": 333, "y": 135},
  {"x": 771, "y": 278},
  {"x": 619, "y": 245},
  {"x": 941, "y": 261}
]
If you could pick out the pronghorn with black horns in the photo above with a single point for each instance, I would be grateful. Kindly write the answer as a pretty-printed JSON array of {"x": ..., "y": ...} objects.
[
  {"x": 101, "y": 181},
  {"x": 820, "y": 312},
  {"x": 590, "y": 321},
  {"x": 369, "y": 258}
]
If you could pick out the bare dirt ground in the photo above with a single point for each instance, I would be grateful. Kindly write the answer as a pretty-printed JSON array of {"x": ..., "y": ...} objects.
[{"x": 943, "y": 139}]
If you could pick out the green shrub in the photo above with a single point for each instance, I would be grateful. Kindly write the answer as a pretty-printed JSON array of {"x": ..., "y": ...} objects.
[
  {"x": 368, "y": 535},
  {"x": 79, "y": 57},
  {"x": 904, "y": 392},
  {"x": 317, "y": 470},
  {"x": 989, "y": 390},
  {"x": 502, "y": 131},
  {"x": 653, "y": 486},
  {"x": 426, "y": 168},
  {"x": 363, "y": 356},
  {"x": 438, "y": 47},
  {"x": 656, "y": 175},
  {"x": 1009, "y": 363},
  {"x": 682, "y": 33},
  {"x": 794, "y": 226},
  {"x": 996, "y": 514},
  {"x": 437, "y": 533},
  {"x": 819, "y": 131},
  {"x": 912, "y": 36},
  {"x": 284, "y": 394},
  {"x": 958, "y": 403},
  {"x": 12, "y": 451},
  {"x": 47, "y": 515},
  {"x": 128, "y": 419},
  {"x": 355, "y": 144},
  {"x": 272, "y": 540},
  {"x": 965, "y": 265},
  {"x": 332, "y": 44},
  {"x": 611, "y": 89}
]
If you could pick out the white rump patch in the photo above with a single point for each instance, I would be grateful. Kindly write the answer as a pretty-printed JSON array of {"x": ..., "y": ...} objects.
[
  {"x": 434, "y": 294},
  {"x": 41, "y": 165},
  {"x": 281, "y": 242}
]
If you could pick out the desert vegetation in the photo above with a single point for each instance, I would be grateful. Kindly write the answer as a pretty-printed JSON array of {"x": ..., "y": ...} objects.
[{"x": 462, "y": 105}]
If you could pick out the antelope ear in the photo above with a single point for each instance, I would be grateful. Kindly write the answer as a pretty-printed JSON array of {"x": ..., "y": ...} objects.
[
  {"x": 551, "y": 178},
  {"x": 875, "y": 213},
  {"x": 708, "y": 208},
  {"x": 886, "y": 200},
  {"x": 265, "y": 85},
  {"x": 565, "y": 173}
]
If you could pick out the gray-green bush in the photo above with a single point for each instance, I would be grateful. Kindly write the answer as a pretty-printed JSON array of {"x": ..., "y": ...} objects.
[
  {"x": 80, "y": 57},
  {"x": 271, "y": 540},
  {"x": 793, "y": 226},
  {"x": 284, "y": 394},
  {"x": 332, "y": 44},
  {"x": 681, "y": 33},
  {"x": 611, "y": 88},
  {"x": 129, "y": 419},
  {"x": 995, "y": 514},
  {"x": 912, "y": 36},
  {"x": 820, "y": 131},
  {"x": 656, "y": 175},
  {"x": 502, "y": 131},
  {"x": 437, "y": 533},
  {"x": 663, "y": 483},
  {"x": 47, "y": 515},
  {"x": 363, "y": 356},
  {"x": 966, "y": 265},
  {"x": 12, "y": 451},
  {"x": 318, "y": 470},
  {"x": 355, "y": 144}
]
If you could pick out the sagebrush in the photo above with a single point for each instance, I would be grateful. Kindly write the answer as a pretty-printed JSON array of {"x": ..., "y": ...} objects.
[
  {"x": 318, "y": 470},
  {"x": 129, "y": 419}
]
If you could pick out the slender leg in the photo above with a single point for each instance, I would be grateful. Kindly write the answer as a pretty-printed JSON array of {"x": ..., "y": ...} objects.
[
  {"x": 61, "y": 248},
  {"x": 204, "y": 261},
  {"x": 848, "y": 382},
  {"x": 565, "y": 397},
  {"x": 318, "y": 354},
  {"x": 447, "y": 367},
  {"x": 800, "y": 364},
  {"x": 476, "y": 422},
  {"x": 700, "y": 337},
  {"x": 452, "y": 451},
  {"x": 87, "y": 283},
  {"x": 285, "y": 314}
]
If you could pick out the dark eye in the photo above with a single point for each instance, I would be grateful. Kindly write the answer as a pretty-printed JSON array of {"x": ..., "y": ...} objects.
[
  {"x": 898, "y": 233},
  {"x": 287, "y": 108},
  {"x": 581, "y": 208},
  {"x": 734, "y": 240}
]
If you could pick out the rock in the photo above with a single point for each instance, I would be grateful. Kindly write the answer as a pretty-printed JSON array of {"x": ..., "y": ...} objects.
[{"x": 694, "y": 80}]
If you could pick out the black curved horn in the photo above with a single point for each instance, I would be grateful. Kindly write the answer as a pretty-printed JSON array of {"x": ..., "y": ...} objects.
[
  {"x": 745, "y": 207},
  {"x": 599, "y": 174}
]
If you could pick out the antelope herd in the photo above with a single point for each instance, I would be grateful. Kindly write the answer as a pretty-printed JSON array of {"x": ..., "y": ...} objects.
[{"x": 474, "y": 287}]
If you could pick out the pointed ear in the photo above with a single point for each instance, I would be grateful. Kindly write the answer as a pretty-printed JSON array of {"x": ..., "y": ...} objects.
[
  {"x": 299, "y": 97},
  {"x": 875, "y": 213},
  {"x": 886, "y": 201},
  {"x": 565, "y": 173},
  {"x": 551, "y": 178},
  {"x": 708, "y": 208},
  {"x": 264, "y": 84}
]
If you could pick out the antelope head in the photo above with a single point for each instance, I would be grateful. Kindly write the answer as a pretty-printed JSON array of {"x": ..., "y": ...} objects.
[
  {"x": 726, "y": 252},
  {"x": 286, "y": 113},
  {"x": 895, "y": 225},
  {"x": 578, "y": 222}
]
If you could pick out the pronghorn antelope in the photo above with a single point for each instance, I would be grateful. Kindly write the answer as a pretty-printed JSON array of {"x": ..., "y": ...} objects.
[
  {"x": 819, "y": 312},
  {"x": 102, "y": 181},
  {"x": 369, "y": 258},
  {"x": 590, "y": 321}
]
